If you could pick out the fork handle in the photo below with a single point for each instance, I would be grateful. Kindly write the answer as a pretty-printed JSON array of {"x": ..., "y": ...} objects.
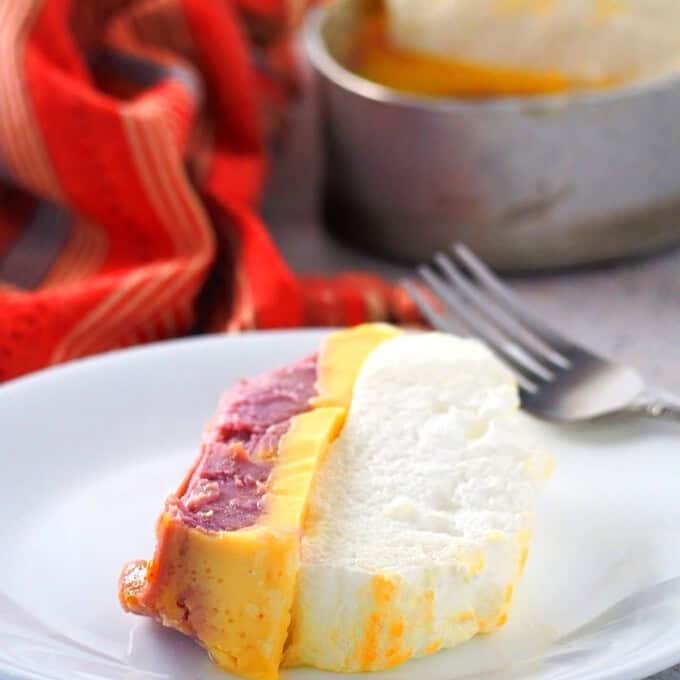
[{"x": 657, "y": 404}]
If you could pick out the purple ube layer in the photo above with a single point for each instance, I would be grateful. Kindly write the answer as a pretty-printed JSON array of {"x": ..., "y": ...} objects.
[{"x": 226, "y": 488}]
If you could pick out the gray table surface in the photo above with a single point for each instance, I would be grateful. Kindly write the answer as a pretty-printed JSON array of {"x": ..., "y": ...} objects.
[{"x": 629, "y": 310}]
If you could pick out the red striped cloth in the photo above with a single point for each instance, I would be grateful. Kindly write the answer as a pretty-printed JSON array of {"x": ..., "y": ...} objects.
[{"x": 132, "y": 154}]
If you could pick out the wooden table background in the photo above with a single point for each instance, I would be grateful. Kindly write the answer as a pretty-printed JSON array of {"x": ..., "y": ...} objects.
[{"x": 628, "y": 310}]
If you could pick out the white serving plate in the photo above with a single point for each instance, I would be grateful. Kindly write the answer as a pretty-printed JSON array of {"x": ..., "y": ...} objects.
[{"x": 89, "y": 451}]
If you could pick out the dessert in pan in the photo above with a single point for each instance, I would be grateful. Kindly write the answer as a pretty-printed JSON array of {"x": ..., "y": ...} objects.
[
  {"x": 365, "y": 505},
  {"x": 496, "y": 48}
]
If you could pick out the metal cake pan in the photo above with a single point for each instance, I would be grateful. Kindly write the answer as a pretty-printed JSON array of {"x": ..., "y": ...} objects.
[{"x": 529, "y": 183}]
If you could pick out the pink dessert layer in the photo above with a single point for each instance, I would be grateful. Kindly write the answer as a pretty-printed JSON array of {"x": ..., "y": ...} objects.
[{"x": 226, "y": 487}]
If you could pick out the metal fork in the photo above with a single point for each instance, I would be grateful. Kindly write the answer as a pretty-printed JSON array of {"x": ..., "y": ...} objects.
[{"x": 558, "y": 379}]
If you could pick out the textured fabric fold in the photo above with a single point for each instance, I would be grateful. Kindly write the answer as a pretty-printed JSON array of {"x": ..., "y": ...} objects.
[{"x": 132, "y": 157}]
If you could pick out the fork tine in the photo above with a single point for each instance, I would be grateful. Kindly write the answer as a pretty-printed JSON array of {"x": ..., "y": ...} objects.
[
  {"x": 505, "y": 296},
  {"x": 480, "y": 326},
  {"x": 441, "y": 323},
  {"x": 529, "y": 372},
  {"x": 496, "y": 314},
  {"x": 426, "y": 309}
]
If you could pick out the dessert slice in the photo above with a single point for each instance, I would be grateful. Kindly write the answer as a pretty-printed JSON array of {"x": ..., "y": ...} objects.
[
  {"x": 228, "y": 551},
  {"x": 353, "y": 510},
  {"x": 420, "y": 518}
]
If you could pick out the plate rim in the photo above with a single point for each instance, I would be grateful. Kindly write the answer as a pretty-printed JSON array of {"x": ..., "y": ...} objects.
[{"x": 80, "y": 363}]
